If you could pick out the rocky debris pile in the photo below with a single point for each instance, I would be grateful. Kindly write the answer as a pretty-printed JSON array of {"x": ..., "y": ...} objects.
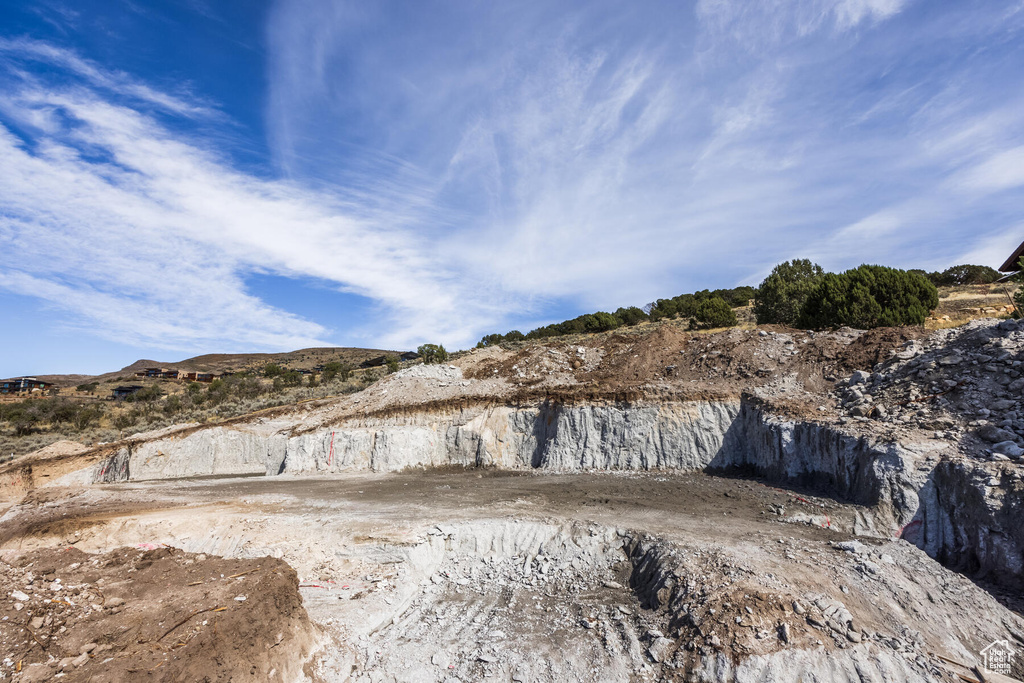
[
  {"x": 965, "y": 382},
  {"x": 650, "y": 611},
  {"x": 716, "y": 604},
  {"x": 556, "y": 613},
  {"x": 668, "y": 357},
  {"x": 160, "y": 614},
  {"x": 411, "y": 386},
  {"x": 720, "y": 605},
  {"x": 548, "y": 365},
  {"x": 442, "y": 373}
]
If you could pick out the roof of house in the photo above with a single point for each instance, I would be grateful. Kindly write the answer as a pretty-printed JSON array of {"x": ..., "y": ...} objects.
[{"x": 1011, "y": 263}]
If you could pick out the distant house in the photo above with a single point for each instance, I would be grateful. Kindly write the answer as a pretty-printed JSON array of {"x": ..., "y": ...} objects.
[
  {"x": 157, "y": 372},
  {"x": 125, "y": 390},
  {"x": 1011, "y": 263},
  {"x": 23, "y": 385},
  {"x": 197, "y": 376},
  {"x": 382, "y": 360}
]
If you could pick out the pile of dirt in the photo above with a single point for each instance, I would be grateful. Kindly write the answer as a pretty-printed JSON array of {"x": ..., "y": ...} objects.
[
  {"x": 158, "y": 614},
  {"x": 730, "y": 361},
  {"x": 658, "y": 362},
  {"x": 877, "y": 346},
  {"x": 60, "y": 448}
]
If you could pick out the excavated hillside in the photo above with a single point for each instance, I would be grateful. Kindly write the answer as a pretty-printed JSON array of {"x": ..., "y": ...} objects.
[{"x": 763, "y": 504}]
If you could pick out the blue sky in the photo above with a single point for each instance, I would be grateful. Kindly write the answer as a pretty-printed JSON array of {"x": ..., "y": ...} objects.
[{"x": 189, "y": 177}]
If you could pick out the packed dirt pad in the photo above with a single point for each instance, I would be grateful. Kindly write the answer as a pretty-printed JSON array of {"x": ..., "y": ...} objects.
[{"x": 159, "y": 614}]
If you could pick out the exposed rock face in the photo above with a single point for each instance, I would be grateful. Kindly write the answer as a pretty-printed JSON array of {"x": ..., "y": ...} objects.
[
  {"x": 969, "y": 519},
  {"x": 211, "y": 451},
  {"x": 685, "y": 435},
  {"x": 856, "y": 468},
  {"x": 675, "y": 435},
  {"x": 960, "y": 513},
  {"x": 607, "y": 436}
]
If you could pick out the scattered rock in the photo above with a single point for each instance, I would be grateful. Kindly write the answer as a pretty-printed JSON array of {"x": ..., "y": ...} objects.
[
  {"x": 1008, "y": 448},
  {"x": 859, "y": 377},
  {"x": 36, "y": 673},
  {"x": 994, "y": 434},
  {"x": 855, "y": 547},
  {"x": 661, "y": 649}
]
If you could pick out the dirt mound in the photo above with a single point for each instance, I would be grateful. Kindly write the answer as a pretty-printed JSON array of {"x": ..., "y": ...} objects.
[
  {"x": 876, "y": 346},
  {"x": 59, "y": 448},
  {"x": 160, "y": 614},
  {"x": 728, "y": 361}
]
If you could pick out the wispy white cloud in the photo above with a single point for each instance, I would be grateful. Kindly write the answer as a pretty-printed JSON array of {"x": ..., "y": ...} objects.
[
  {"x": 849, "y": 13},
  {"x": 1001, "y": 171},
  {"x": 756, "y": 26},
  {"x": 996, "y": 248},
  {"x": 114, "y": 81},
  {"x": 153, "y": 243},
  {"x": 471, "y": 167}
]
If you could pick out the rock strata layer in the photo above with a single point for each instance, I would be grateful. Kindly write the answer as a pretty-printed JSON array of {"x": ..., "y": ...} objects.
[{"x": 959, "y": 511}]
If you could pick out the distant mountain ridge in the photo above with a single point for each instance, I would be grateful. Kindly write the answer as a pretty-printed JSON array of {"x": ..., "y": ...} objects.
[{"x": 302, "y": 359}]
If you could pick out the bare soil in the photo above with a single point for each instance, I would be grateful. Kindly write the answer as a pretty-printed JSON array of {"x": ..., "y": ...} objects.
[
  {"x": 714, "y": 564},
  {"x": 159, "y": 614}
]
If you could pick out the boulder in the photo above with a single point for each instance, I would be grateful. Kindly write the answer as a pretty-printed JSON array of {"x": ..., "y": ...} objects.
[
  {"x": 852, "y": 546},
  {"x": 1008, "y": 448},
  {"x": 36, "y": 673},
  {"x": 661, "y": 649},
  {"x": 994, "y": 434},
  {"x": 859, "y": 377}
]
